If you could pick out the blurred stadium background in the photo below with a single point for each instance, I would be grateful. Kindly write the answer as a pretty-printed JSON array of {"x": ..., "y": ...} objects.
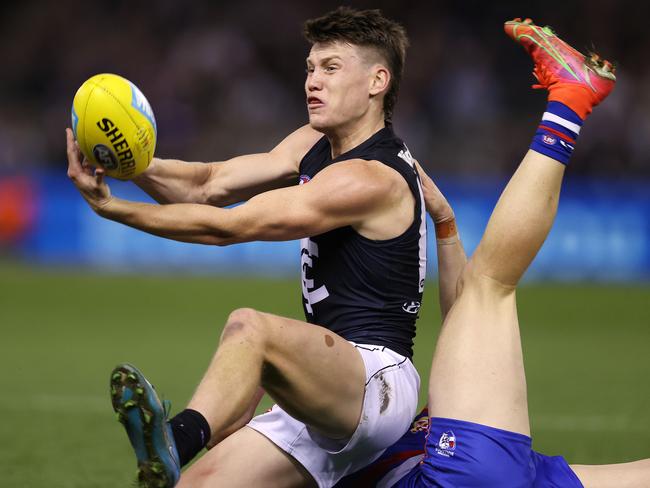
[{"x": 79, "y": 294}]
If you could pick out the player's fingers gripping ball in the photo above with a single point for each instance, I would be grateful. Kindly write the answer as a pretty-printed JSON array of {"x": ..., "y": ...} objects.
[{"x": 114, "y": 125}]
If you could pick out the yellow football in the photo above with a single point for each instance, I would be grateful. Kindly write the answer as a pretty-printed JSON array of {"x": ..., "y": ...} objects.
[{"x": 114, "y": 125}]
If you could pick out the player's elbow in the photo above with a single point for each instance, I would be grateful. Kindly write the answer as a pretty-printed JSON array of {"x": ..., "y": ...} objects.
[
  {"x": 220, "y": 236},
  {"x": 221, "y": 239},
  {"x": 207, "y": 189}
]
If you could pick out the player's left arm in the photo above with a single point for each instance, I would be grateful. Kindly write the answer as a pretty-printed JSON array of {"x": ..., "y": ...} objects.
[
  {"x": 345, "y": 193},
  {"x": 451, "y": 255}
]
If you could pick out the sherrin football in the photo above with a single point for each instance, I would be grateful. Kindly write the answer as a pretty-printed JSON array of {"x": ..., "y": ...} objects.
[{"x": 114, "y": 125}]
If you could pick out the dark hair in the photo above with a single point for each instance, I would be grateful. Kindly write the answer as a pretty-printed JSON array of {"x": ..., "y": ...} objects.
[{"x": 367, "y": 28}]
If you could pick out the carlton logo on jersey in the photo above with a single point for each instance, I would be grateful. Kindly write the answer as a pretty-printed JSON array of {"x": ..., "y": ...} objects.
[{"x": 310, "y": 292}]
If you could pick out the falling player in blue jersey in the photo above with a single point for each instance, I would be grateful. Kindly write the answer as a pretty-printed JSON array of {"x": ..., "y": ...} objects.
[{"x": 476, "y": 430}]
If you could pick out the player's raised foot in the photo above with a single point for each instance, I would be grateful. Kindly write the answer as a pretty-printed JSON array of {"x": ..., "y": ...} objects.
[
  {"x": 580, "y": 82},
  {"x": 144, "y": 417}
]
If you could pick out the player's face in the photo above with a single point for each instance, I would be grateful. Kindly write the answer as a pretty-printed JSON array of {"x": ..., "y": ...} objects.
[{"x": 338, "y": 85}]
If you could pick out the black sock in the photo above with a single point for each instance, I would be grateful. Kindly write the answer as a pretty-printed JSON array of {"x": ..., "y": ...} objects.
[{"x": 191, "y": 432}]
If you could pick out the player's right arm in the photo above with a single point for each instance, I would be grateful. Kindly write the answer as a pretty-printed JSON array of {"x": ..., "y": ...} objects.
[{"x": 227, "y": 182}]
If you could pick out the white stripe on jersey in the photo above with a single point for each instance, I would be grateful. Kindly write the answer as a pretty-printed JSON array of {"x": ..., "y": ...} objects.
[
  {"x": 423, "y": 238},
  {"x": 405, "y": 154}
]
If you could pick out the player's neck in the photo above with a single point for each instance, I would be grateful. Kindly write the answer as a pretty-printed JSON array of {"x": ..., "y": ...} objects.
[{"x": 342, "y": 139}]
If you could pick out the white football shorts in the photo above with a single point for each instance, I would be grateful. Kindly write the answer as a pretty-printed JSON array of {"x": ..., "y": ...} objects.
[{"x": 389, "y": 405}]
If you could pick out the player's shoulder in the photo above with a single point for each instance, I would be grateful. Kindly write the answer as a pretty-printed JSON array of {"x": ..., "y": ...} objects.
[
  {"x": 371, "y": 168},
  {"x": 298, "y": 143},
  {"x": 365, "y": 175}
]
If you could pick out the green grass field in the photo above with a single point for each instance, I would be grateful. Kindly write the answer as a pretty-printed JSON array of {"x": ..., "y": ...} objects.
[{"x": 587, "y": 352}]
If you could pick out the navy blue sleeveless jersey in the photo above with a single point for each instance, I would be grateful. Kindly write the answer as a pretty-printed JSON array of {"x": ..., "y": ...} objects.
[{"x": 366, "y": 291}]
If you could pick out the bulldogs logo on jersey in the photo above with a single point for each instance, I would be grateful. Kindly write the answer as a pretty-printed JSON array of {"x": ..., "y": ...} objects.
[{"x": 446, "y": 444}]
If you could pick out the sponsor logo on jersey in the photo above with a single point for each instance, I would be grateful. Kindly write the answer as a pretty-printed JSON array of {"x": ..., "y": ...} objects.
[
  {"x": 411, "y": 307},
  {"x": 304, "y": 179},
  {"x": 550, "y": 140},
  {"x": 446, "y": 444}
]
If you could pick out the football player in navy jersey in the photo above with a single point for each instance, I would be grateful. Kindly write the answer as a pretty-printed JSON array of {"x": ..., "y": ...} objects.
[
  {"x": 476, "y": 431},
  {"x": 347, "y": 186}
]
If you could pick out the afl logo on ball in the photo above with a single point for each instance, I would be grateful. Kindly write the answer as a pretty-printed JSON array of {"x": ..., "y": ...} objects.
[{"x": 105, "y": 156}]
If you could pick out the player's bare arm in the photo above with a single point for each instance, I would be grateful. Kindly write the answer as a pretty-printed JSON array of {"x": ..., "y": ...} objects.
[
  {"x": 364, "y": 194},
  {"x": 451, "y": 255},
  {"x": 227, "y": 182},
  {"x": 349, "y": 193}
]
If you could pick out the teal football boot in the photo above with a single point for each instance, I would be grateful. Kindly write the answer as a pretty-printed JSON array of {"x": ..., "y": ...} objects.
[{"x": 144, "y": 417}]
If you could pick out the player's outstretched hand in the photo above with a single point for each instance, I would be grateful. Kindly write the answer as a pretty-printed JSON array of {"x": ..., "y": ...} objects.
[
  {"x": 436, "y": 203},
  {"x": 88, "y": 180}
]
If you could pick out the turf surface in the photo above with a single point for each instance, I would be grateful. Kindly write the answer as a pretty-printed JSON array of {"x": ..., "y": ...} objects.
[{"x": 587, "y": 351}]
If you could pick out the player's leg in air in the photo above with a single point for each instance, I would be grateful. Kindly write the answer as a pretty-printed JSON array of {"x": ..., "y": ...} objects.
[
  {"x": 479, "y": 429},
  {"x": 472, "y": 440}
]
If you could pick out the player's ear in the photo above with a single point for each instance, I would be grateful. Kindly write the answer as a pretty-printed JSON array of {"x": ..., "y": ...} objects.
[{"x": 379, "y": 80}]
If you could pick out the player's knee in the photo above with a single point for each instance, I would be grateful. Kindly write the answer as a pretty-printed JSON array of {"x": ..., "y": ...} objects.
[
  {"x": 469, "y": 277},
  {"x": 243, "y": 322},
  {"x": 203, "y": 473},
  {"x": 200, "y": 475},
  {"x": 476, "y": 279},
  {"x": 243, "y": 315}
]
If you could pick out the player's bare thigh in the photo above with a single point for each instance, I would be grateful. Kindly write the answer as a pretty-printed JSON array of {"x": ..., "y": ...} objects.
[
  {"x": 624, "y": 475},
  {"x": 477, "y": 373},
  {"x": 315, "y": 375},
  {"x": 246, "y": 459}
]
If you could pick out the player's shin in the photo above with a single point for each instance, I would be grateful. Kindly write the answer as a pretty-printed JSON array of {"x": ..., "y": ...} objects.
[
  {"x": 526, "y": 210},
  {"x": 521, "y": 220}
]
